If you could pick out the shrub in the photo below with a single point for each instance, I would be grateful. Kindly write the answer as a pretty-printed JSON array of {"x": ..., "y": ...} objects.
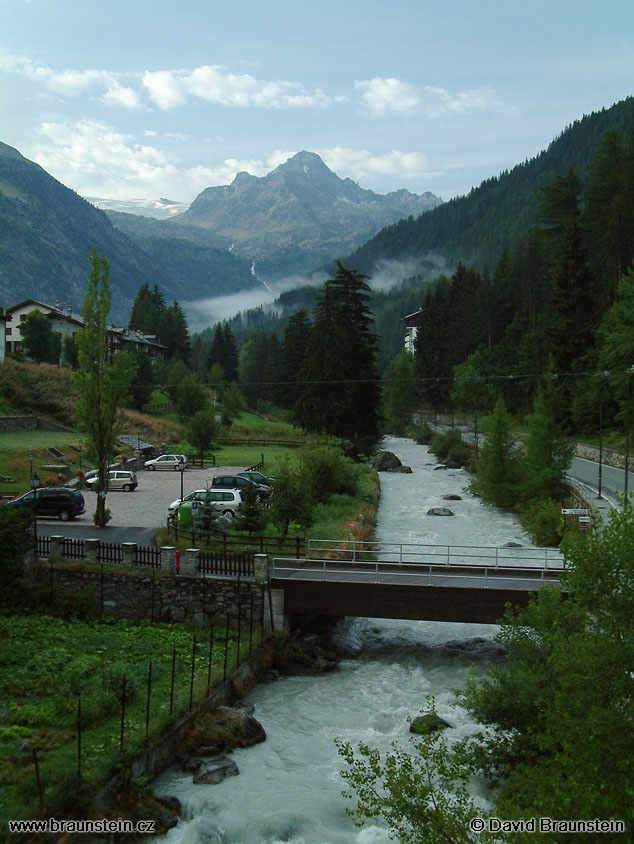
[
  {"x": 442, "y": 444},
  {"x": 542, "y": 520},
  {"x": 326, "y": 470},
  {"x": 423, "y": 433}
]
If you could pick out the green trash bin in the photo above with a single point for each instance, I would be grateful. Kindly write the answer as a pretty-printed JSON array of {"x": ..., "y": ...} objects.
[{"x": 185, "y": 515}]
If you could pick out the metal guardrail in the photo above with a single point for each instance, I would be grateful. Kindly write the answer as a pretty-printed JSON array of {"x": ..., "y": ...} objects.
[
  {"x": 450, "y": 555},
  {"x": 418, "y": 574}
]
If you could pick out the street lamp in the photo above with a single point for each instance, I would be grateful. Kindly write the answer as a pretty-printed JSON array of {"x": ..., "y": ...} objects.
[
  {"x": 627, "y": 432},
  {"x": 31, "y": 467},
  {"x": 601, "y": 374},
  {"x": 35, "y": 482},
  {"x": 138, "y": 440},
  {"x": 80, "y": 445}
]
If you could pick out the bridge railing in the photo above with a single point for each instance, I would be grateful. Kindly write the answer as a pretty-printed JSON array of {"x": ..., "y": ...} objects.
[
  {"x": 449, "y": 555},
  {"x": 417, "y": 574}
]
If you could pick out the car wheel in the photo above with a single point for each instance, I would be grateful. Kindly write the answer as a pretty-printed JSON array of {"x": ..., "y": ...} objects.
[
  {"x": 177, "y": 468},
  {"x": 127, "y": 488},
  {"x": 228, "y": 513},
  {"x": 151, "y": 468},
  {"x": 64, "y": 515}
]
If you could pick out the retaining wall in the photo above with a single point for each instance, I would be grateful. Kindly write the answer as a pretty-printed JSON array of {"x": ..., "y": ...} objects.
[{"x": 159, "y": 598}]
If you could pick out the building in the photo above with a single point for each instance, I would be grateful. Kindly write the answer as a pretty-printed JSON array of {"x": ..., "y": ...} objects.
[
  {"x": 412, "y": 321},
  {"x": 3, "y": 321},
  {"x": 66, "y": 323}
]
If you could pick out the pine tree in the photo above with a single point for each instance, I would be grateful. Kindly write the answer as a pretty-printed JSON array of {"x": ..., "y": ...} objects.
[
  {"x": 401, "y": 394},
  {"x": 341, "y": 394},
  {"x": 293, "y": 352}
]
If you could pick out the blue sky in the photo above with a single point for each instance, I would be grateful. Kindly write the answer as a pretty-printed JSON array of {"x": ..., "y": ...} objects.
[{"x": 150, "y": 98}]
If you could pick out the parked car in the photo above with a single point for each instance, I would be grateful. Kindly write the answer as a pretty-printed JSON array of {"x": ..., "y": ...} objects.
[
  {"x": 168, "y": 461},
  {"x": 117, "y": 479},
  {"x": 241, "y": 483},
  {"x": 258, "y": 478},
  {"x": 60, "y": 501},
  {"x": 226, "y": 501}
]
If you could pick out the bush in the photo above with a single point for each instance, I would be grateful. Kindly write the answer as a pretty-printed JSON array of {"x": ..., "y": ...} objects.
[
  {"x": 423, "y": 433},
  {"x": 326, "y": 470},
  {"x": 542, "y": 520},
  {"x": 450, "y": 447}
]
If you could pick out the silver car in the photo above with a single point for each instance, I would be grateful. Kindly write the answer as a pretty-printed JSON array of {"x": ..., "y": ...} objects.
[
  {"x": 117, "y": 479},
  {"x": 175, "y": 462},
  {"x": 228, "y": 501}
]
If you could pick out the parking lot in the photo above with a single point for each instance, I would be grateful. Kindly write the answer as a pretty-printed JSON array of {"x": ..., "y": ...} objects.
[{"x": 146, "y": 507}]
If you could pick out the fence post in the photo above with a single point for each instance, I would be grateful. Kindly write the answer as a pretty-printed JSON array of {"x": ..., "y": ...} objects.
[
  {"x": 191, "y": 682},
  {"x": 251, "y": 625},
  {"x": 260, "y": 567},
  {"x": 128, "y": 550},
  {"x": 122, "y": 714},
  {"x": 57, "y": 549},
  {"x": 168, "y": 558},
  {"x": 79, "y": 740},
  {"x": 92, "y": 551},
  {"x": 147, "y": 705},
  {"x": 172, "y": 683},
  {"x": 211, "y": 650},
  {"x": 224, "y": 671},
  {"x": 189, "y": 562}
]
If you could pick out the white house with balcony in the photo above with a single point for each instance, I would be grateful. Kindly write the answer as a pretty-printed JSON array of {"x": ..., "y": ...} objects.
[{"x": 412, "y": 321}]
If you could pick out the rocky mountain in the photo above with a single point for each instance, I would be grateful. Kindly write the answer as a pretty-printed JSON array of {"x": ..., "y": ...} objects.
[
  {"x": 47, "y": 232},
  {"x": 298, "y": 216}
]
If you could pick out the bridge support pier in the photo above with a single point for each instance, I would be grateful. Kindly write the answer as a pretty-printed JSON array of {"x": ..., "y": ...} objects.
[{"x": 280, "y": 621}]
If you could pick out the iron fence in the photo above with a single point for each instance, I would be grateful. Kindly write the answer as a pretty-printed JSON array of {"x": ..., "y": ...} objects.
[{"x": 235, "y": 565}]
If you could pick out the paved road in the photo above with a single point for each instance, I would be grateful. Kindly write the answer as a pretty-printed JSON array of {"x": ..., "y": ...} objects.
[
  {"x": 137, "y": 515},
  {"x": 612, "y": 479}
]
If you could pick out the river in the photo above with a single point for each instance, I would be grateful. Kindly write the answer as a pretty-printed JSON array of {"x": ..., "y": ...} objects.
[{"x": 289, "y": 787}]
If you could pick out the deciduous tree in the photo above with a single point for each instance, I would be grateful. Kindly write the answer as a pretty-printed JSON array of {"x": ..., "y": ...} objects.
[{"x": 102, "y": 382}]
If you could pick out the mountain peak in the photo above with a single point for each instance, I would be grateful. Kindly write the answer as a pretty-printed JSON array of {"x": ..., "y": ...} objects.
[{"x": 308, "y": 162}]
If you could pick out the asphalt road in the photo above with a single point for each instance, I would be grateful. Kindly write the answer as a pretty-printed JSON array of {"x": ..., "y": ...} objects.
[
  {"x": 137, "y": 515},
  {"x": 612, "y": 479}
]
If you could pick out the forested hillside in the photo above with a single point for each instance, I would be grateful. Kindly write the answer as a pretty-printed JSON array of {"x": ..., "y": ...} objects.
[{"x": 478, "y": 227}]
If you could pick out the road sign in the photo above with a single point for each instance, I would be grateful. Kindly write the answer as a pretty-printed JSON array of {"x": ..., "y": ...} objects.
[
  {"x": 576, "y": 511},
  {"x": 194, "y": 505},
  {"x": 584, "y": 520}
]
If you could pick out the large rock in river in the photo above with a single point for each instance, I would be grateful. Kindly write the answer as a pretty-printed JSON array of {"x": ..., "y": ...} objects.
[
  {"x": 439, "y": 511},
  {"x": 387, "y": 461}
]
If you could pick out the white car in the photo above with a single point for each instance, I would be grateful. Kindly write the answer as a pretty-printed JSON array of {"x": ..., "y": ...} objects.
[
  {"x": 228, "y": 501},
  {"x": 168, "y": 461}
]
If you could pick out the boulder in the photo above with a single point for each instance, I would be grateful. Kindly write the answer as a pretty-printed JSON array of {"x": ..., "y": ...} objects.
[
  {"x": 442, "y": 466},
  {"x": 439, "y": 511},
  {"x": 387, "y": 461},
  {"x": 451, "y": 496},
  {"x": 242, "y": 730},
  {"x": 511, "y": 545},
  {"x": 216, "y": 770},
  {"x": 422, "y": 725}
]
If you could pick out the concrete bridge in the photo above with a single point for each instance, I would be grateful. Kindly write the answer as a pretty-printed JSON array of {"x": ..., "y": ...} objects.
[{"x": 425, "y": 582}]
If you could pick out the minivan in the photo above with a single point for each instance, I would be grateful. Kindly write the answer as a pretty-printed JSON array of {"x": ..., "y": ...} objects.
[
  {"x": 241, "y": 483},
  {"x": 60, "y": 501}
]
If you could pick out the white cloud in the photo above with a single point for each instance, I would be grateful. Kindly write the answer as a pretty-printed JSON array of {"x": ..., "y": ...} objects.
[
  {"x": 119, "y": 95},
  {"x": 165, "y": 89},
  {"x": 169, "y": 89},
  {"x": 438, "y": 101},
  {"x": 381, "y": 96},
  {"x": 362, "y": 165}
]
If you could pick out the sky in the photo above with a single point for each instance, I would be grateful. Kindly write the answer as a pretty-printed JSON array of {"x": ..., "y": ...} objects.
[{"x": 163, "y": 98}]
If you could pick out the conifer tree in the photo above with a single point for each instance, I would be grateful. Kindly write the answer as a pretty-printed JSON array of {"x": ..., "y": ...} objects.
[
  {"x": 341, "y": 394},
  {"x": 293, "y": 352}
]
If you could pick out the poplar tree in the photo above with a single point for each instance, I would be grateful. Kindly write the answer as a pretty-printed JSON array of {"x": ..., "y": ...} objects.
[{"x": 102, "y": 380}]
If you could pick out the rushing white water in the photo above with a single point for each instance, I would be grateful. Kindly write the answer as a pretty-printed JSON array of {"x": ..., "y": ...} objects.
[{"x": 289, "y": 787}]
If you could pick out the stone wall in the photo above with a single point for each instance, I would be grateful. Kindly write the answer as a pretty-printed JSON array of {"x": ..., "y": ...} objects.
[
  {"x": 8, "y": 424},
  {"x": 161, "y": 598}
]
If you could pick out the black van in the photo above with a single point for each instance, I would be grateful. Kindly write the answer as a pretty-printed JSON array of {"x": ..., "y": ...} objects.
[{"x": 60, "y": 501}]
